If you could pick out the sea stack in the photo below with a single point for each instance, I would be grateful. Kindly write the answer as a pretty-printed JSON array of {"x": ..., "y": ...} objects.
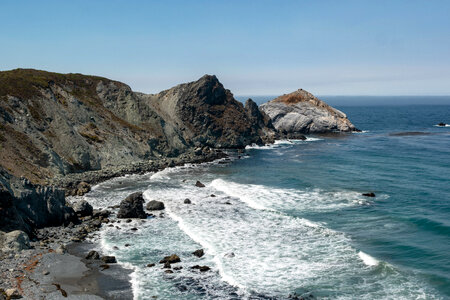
[{"x": 302, "y": 112}]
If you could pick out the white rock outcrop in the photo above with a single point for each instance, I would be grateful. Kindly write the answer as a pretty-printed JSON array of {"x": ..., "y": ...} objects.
[{"x": 301, "y": 112}]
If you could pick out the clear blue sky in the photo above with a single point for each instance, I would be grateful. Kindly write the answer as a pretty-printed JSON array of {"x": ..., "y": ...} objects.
[{"x": 254, "y": 47}]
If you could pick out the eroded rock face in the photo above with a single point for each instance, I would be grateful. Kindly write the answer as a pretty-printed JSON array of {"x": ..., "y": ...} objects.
[
  {"x": 55, "y": 124},
  {"x": 301, "y": 112},
  {"x": 25, "y": 206}
]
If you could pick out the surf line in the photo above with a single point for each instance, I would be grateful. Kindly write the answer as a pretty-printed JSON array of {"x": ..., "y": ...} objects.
[{"x": 207, "y": 246}]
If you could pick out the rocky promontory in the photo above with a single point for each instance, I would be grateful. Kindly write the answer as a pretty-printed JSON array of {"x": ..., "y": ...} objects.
[{"x": 301, "y": 112}]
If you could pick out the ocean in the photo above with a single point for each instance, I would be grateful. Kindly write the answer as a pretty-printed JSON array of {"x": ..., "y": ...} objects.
[{"x": 290, "y": 218}]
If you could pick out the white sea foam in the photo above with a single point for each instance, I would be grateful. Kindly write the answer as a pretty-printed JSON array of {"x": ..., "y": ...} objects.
[
  {"x": 446, "y": 125},
  {"x": 282, "y": 143},
  {"x": 273, "y": 251},
  {"x": 262, "y": 197},
  {"x": 367, "y": 259}
]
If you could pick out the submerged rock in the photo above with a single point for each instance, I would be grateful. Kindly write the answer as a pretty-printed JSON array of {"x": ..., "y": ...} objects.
[
  {"x": 371, "y": 194},
  {"x": 199, "y": 184},
  {"x": 201, "y": 268},
  {"x": 155, "y": 205},
  {"x": 198, "y": 253},
  {"x": 132, "y": 207},
  {"x": 170, "y": 259},
  {"x": 301, "y": 112}
]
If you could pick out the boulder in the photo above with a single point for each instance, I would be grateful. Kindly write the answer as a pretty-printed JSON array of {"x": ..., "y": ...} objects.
[
  {"x": 83, "y": 208},
  {"x": 109, "y": 259},
  {"x": 170, "y": 259},
  {"x": 371, "y": 194},
  {"x": 199, "y": 184},
  {"x": 14, "y": 241},
  {"x": 93, "y": 255},
  {"x": 83, "y": 188},
  {"x": 132, "y": 207},
  {"x": 300, "y": 112},
  {"x": 187, "y": 201},
  {"x": 12, "y": 294},
  {"x": 442, "y": 124},
  {"x": 155, "y": 205},
  {"x": 198, "y": 253},
  {"x": 201, "y": 268}
]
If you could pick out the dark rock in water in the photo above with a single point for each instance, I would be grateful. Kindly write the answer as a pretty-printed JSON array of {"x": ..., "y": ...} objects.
[
  {"x": 170, "y": 259},
  {"x": 198, "y": 253},
  {"x": 212, "y": 195},
  {"x": 178, "y": 268},
  {"x": 132, "y": 207},
  {"x": 155, "y": 205},
  {"x": 409, "y": 133},
  {"x": 187, "y": 201},
  {"x": 199, "y": 184},
  {"x": 442, "y": 124},
  {"x": 167, "y": 265},
  {"x": 150, "y": 265},
  {"x": 369, "y": 194},
  {"x": 83, "y": 208},
  {"x": 168, "y": 271},
  {"x": 109, "y": 259},
  {"x": 201, "y": 268},
  {"x": 228, "y": 203},
  {"x": 133, "y": 229},
  {"x": 104, "y": 267},
  {"x": 101, "y": 213},
  {"x": 128, "y": 221},
  {"x": 116, "y": 248},
  {"x": 93, "y": 255}
]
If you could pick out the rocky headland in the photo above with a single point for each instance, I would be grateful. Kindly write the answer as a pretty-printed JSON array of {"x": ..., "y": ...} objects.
[
  {"x": 301, "y": 112},
  {"x": 61, "y": 133}
]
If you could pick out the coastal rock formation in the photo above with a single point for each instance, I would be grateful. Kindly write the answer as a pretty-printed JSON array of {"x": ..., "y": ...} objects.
[
  {"x": 25, "y": 206},
  {"x": 132, "y": 207},
  {"x": 301, "y": 112},
  {"x": 55, "y": 124}
]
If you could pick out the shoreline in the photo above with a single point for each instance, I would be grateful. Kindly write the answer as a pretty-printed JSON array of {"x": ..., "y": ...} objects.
[{"x": 55, "y": 266}]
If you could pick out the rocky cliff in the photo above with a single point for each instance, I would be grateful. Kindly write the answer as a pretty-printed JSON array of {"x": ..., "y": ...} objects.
[
  {"x": 301, "y": 112},
  {"x": 55, "y": 124}
]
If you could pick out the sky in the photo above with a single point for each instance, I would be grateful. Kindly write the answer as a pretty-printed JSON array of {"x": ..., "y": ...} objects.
[{"x": 254, "y": 47}]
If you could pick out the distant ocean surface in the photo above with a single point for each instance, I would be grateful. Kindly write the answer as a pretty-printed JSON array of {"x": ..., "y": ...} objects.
[{"x": 290, "y": 218}]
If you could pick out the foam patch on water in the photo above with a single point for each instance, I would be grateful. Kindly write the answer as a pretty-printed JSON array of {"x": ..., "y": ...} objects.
[
  {"x": 282, "y": 143},
  {"x": 262, "y": 197},
  {"x": 367, "y": 259},
  {"x": 446, "y": 125}
]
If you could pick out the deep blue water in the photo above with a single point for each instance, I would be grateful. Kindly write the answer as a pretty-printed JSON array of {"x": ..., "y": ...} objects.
[{"x": 291, "y": 218}]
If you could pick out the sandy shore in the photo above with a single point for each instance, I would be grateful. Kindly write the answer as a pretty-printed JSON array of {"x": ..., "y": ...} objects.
[{"x": 47, "y": 274}]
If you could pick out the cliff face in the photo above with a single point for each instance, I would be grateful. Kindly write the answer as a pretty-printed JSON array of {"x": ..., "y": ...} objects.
[
  {"x": 301, "y": 112},
  {"x": 24, "y": 206},
  {"x": 204, "y": 113},
  {"x": 56, "y": 124}
]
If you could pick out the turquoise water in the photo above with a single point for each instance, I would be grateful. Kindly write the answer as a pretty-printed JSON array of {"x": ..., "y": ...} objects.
[{"x": 291, "y": 218}]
